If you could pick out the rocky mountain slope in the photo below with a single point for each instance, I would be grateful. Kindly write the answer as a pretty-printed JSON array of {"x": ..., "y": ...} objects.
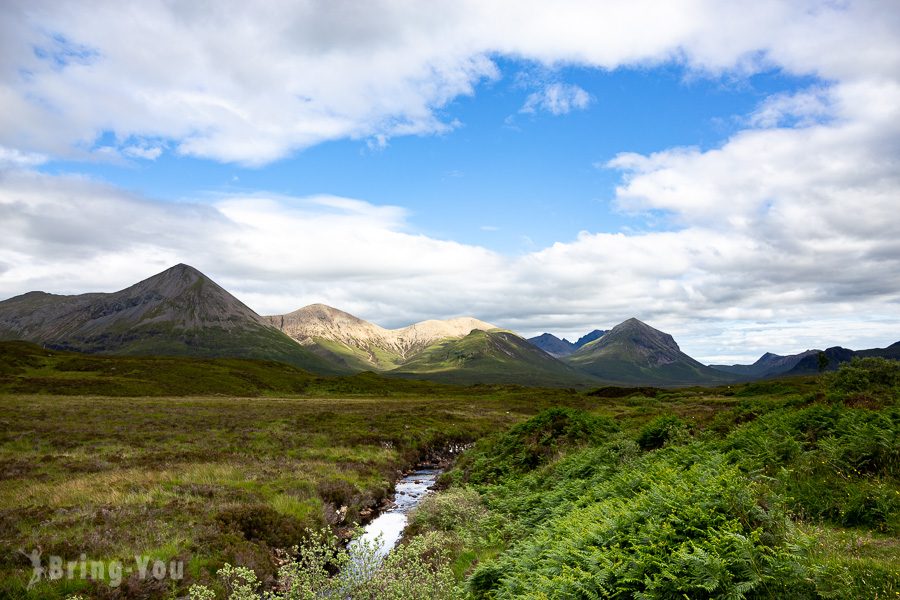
[
  {"x": 633, "y": 353},
  {"x": 177, "y": 312},
  {"x": 349, "y": 340}
]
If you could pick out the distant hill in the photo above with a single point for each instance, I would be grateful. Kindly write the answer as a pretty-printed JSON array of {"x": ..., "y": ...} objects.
[
  {"x": 179, "y": 312},
  {"x": 836, "y": 355},
  {"x": 491, "y": 357},
  {"x": 634, "y": 353},
  {"x": 768, "y": 365},
  {"x": 892, "y": 351},
  {"x": 554, "y": 346},
  {"x": 805, "y": 363},
  {"x": 341, "y": 337}
]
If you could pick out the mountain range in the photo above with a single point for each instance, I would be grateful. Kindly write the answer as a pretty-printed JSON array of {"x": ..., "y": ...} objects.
[
  {"x": 359, "y": 345},
  {"x": 807, "y": 362},
  {"x": 559, "y": 348},
  {"x": 182, "y": 312},
  {"x": 768, "y": 365}
]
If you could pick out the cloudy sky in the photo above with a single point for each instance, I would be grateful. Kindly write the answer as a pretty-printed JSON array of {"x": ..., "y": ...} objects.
[{"x": 726, "y": 171}]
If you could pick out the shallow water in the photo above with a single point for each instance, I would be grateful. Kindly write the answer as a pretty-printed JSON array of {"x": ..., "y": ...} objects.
[{"x": 390, "y": 524}]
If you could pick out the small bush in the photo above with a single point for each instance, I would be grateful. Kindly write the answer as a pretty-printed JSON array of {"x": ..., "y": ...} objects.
[
  {"x": 452, "y": 509},
  {"x": 261, "y": 523},
  {"x": 337, "y": 491},
  {"x": 661, "y": 431}
]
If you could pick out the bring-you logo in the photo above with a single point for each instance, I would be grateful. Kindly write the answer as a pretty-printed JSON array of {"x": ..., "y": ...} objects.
[{"x": 54, "y": 568}]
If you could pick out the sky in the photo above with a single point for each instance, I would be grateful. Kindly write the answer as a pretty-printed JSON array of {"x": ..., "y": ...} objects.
[{"x": 726, "y": 172}]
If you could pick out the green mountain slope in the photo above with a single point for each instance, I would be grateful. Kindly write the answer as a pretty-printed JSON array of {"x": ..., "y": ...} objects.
[
  {"x": 179, "y": 312},
  {"x": 491, "y": 357},
  {"x": 634, "y": 353},
  {"x": 29, "y": 368}
]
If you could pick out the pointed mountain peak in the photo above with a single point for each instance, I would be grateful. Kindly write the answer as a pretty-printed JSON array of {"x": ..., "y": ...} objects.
[
  {"x": 174, "y": 281},
  {"x": 632, "y": 322},
  {"x": 548, "y": 337},
  {"x": 636, "y": 331},
  {"x": 181, "y": 270},
  {"x": 590, "y": 337},
  {"x": 177, "y": 273},
  {"x": 552, "y": 345},
  {"x": 636, "y": 353}
]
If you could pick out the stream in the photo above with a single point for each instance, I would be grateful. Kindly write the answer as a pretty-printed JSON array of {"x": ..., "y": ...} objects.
[{"x": 387, "y": 528}]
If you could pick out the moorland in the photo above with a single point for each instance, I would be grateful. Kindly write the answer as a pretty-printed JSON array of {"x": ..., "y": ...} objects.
[{"x": 774, "y": 489}]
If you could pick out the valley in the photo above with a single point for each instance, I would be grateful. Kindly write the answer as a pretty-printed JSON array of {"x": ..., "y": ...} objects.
[{"x": 170, "y": 421}]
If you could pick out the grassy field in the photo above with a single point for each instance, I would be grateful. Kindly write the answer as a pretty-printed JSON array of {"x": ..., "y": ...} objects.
[
  {"x": 214, "y": 479},
  {"x": 794, "y": 482}
]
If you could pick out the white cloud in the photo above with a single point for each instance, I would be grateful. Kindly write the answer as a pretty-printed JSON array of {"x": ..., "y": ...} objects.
[
  {"x": 250, "y": 84},
  {"x": 718, "y": 291},
  {"x": 143, "y": 151},
  {"x": 557, "y": 99},
  {"x": 800, "y": 109},
  {"x": 10, "y": 157}
]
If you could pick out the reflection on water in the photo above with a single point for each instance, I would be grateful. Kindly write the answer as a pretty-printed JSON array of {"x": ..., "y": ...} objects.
[{"x": 390, "y": 524}]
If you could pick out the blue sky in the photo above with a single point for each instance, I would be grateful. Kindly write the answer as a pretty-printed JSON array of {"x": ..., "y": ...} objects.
[
  {"x": 727, "y": 172},
  {"x": 503, "y": 179}
]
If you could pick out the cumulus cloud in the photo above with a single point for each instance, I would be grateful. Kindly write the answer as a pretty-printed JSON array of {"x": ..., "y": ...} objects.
[{"x": 250, "y": 84}]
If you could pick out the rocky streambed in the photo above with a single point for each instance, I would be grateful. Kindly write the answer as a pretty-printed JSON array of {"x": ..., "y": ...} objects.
[
  {"x": 390, "y": 520},
  {"x": 385, "y": 530}
]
